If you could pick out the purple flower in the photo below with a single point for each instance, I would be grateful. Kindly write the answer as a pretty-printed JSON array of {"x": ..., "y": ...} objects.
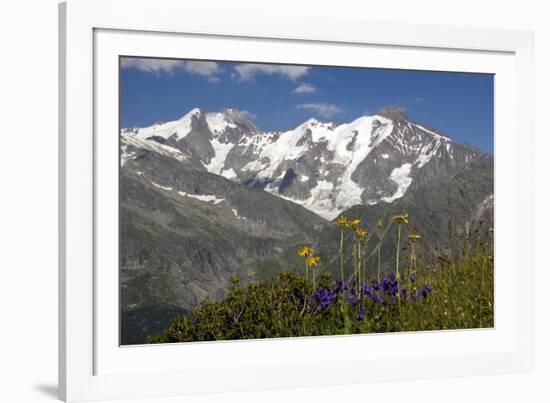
[
  {"x": 361, "y": 315},
  {"x": 324, "y": 297},
  {"x": 428, "y": 288},
  {"x": 367, "y": 290},
  {"x": 353, "y": 298},
  {"x": 341, "y": 286},
  {"x": 412, "y": 277},
  {"x": 422, "y": 293}
]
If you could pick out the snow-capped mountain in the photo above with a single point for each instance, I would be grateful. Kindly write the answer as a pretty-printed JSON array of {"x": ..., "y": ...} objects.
[{"x": 323, "y": 166}]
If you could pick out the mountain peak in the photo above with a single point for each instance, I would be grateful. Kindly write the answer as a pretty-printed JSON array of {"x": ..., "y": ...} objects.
[
  {"x": 237, "y": 114},
  {"x": 393, "y": 112},
  {"x": 193, "y": 112},
  {"x": 240, "y": 118}
]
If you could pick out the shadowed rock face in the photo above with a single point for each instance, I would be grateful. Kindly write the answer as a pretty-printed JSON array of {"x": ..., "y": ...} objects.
[
  {"x": 393, "y": 113},
  {"x": 211, "y": 195}
]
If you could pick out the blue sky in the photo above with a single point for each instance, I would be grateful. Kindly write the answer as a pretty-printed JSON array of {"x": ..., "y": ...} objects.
[{"x": 278, "y": 97}]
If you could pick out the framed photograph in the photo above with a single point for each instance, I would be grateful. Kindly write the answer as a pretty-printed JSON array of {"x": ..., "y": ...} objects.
[{"x": 255, "y": 201}]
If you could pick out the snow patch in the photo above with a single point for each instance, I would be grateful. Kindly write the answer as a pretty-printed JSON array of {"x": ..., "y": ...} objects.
[
  {"x": 427, "y": 152},
  {"x": 401, "y": 176},
  {"x": 204, "y": 198},
  {"x": 366, "y": 139},
  {"x": 167, "y": 188},
  {"x": 217, "y": 122},
  {"x": 177, "y": 128},
  {"x": 236, "y": 213},
  {"x": 228, "y": 173},
  {"x": 126, "y": 156},
  {"x": 319, "y": 201},
  {"x": 163, "y": 149},
  {"x": 436, "y": 135},
  {"x": 221, "y": 150}
]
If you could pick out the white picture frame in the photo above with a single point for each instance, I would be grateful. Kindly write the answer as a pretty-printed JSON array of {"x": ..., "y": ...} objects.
[{"x": 92, "y": 366}]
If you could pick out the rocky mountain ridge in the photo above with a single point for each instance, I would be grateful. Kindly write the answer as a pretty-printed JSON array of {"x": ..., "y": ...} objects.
[{"x": 323, "y": 166}]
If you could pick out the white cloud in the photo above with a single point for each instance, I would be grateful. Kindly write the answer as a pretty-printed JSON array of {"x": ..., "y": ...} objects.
[
  {"x": 248, "y": 71},
  {"x": 305, "y": 88},
  {"x": 210, "y": 70},
  {"x": 419, "y": 100},
  {"x": 202, "y": 68},
  {"x": 324, "y": 110},
  {"x": 151, "y": 65}
]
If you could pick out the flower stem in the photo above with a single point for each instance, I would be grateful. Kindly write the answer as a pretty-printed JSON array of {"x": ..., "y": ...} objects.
[
  {"x": 359, "y": 266},
  {"x": 342, "y": 256},
  {"x": 397, "y": 252},
  {"x": 342, "y": 273},
  {"x": 378, "y": 258},
  {"x": 413, "y": 260},
  {"x": 397, "y": 265},
  {"x": 355, "y": 263},
  {"x": 364, "y": 276}
]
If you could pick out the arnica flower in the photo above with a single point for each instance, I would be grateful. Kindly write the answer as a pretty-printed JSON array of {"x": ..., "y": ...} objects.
[
  {"x": 360, "y": 232},
  {"x": 305, "y": 251},
  {"x": 343, "y": 222},
  {"x": 313, "y": 260},
  {"x": 401, "y": 218},
  {"x": 380, "y": 224},
  {"x": 354, "y": 223},
  {"x": 414, "y": 236}
]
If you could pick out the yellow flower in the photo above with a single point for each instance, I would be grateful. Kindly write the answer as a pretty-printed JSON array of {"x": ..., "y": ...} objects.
[
  {"x": 401, "y": 218},
  {"x": 354, "y": 223},
  {"x": 379, "y": 224},
  {"x": 313, "y": 260},
  {"x": 414, "y": 236},
  {"x": 343, "y": 222},
  {"x": 360, "y": 232},
  {"x": 305, "y": 251}
]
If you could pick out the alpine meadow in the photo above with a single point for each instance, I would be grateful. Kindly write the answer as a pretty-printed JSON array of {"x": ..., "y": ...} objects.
[{"x": 269, "y": 200}]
